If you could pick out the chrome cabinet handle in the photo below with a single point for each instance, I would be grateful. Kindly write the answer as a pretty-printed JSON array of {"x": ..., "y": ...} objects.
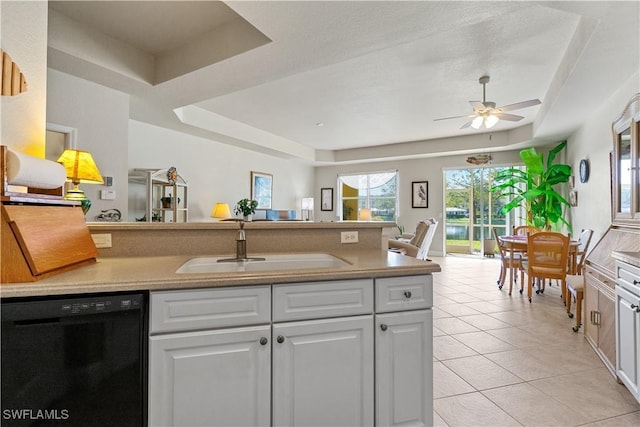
[
  {"x": 407, "y": 294},
  {"x": 263, "y": 341},
  {"x": 280, "y": 339},
  {"x": 383, "y": 327}
]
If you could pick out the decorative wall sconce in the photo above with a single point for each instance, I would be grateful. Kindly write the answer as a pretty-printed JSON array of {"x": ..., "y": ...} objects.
[{"x": 13, "y": 81}]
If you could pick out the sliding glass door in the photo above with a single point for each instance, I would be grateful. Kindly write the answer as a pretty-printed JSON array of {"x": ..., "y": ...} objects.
[{"x": 472, "y": 211}]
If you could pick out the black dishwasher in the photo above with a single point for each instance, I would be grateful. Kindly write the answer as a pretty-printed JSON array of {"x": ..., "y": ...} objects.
[{"x": 74, "y": 361}]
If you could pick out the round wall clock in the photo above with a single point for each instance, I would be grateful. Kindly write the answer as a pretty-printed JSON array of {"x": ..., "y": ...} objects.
[{"x": 584, "y": 170}]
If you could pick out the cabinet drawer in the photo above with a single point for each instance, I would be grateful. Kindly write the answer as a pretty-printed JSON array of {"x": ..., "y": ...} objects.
[
  {"x": 315, "y": 300},
  {"x": 626, "y": 275},
  {"x": 404, "y": 293},
  {"x": 209, "y": 308}
]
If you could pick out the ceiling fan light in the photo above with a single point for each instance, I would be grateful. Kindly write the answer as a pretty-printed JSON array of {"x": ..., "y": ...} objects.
[
  {"x": 477, "y": 122},
  {"x": 490, "y": 121}
]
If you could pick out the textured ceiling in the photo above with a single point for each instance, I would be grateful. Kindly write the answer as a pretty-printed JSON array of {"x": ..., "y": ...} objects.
[{"x": 375, "y": 75}]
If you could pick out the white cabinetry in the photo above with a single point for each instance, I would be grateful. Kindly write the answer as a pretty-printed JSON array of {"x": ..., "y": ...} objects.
[
  {"x": 404, "y": 351},
  {"x": 323, "y": 372},
  {"x": 209, "y": 376},
  {"x": 323, "y": 368},
  {"x": 628, "y": 327},
  {"x": 300, "y": 354}
]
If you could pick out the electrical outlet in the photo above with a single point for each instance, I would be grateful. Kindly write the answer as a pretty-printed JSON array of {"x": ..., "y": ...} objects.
[
  {"x": 349, "y": 237},
  {"x": 102, "y": 240}
]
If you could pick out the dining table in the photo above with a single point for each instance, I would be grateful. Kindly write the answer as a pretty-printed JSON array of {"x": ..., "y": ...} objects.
[{"x": 518, "y": 244}]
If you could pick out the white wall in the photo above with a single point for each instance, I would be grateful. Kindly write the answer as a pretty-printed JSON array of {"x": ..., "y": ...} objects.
[
  {"x": 24, "y": 37},
  {"x": 428, "y": 169},
  {"x": 101, "y": 117},
  {"x": 216, "y": 172},
  {"x": 594, "y": 141}
]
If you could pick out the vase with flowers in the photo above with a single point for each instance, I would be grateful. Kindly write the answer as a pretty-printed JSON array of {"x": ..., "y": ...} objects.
[{"x": 246, "y": 207}]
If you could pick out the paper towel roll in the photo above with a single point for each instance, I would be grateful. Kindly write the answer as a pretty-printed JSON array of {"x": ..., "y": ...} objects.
[{"x": 29, "y": 171}]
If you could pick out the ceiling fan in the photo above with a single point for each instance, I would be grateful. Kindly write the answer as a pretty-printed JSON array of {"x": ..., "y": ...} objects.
[{"x": 486, "y": 114}]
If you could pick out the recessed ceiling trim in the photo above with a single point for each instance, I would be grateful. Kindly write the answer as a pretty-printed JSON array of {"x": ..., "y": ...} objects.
[{"x": 207, "y": 120}]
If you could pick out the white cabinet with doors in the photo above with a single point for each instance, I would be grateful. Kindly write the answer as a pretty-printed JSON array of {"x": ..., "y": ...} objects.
[
  {"x": 404, "y": 351},
  {"x": 628, "y": 327},
  {"x": 323, "y": 353},
  {"x": 312, "y": 353},
  {"x": 205, "y": 368}
]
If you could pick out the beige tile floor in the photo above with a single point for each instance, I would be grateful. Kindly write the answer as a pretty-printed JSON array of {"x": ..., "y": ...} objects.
[{"x": 502, "y": 361}]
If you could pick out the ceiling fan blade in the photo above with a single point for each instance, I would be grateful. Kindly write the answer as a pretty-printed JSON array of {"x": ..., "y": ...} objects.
[
  {"x": 509, "y": 117},
  {"x": 519, "y": 105},
  {"x": 454, "y": 117}
]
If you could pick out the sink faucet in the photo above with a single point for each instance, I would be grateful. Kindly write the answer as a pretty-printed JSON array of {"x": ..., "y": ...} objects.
[
  {"x": 241, "y": 247},
  {"x": 241, "y": 243}
]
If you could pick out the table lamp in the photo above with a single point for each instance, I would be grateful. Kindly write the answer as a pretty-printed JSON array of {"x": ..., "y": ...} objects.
[
  {"x": 307, "y": 208},
  {"x": 221, "y": 211},
  {"x": 81, "y": 169},
  {"x": 365, "y": 214}
]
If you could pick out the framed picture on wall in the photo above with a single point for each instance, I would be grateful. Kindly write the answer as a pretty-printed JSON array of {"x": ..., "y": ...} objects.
[
  {"x": 326, "y": 199},
  {"x": 261, "y": 189},
  {"x": 573, "y": 198},
  {"x": 420, "y": 194}
]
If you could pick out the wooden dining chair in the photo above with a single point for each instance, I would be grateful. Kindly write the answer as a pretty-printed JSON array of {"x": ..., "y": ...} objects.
[
  {"x": 575, "y": 282},
  {"x": 547, "y": 255},
  {"x": 524, "y": 230},
  {"x": 504, "y": 265},
  {"x": 583, "y": 246}
]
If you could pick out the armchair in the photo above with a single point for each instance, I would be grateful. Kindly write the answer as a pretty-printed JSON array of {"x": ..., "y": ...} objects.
[{"x": 417, "y": 244}]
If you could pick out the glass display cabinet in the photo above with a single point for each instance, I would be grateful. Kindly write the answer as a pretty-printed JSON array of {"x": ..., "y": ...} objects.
[{"x": 626, "y": 165}]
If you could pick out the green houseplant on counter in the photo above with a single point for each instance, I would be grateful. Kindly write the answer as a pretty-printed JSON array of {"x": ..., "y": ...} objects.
[
  {"x": 534, "y": 188},
  {"x": 246, "y": 207}
]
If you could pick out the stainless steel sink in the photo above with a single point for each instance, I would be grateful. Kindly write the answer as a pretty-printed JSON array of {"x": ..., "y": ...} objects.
[{"x": 269, "y": 263}]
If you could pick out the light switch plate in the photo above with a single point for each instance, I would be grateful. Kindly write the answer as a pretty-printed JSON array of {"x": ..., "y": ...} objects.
[
  {"x": 102, "y": 240},
  {"x": 107, "y": 194}
]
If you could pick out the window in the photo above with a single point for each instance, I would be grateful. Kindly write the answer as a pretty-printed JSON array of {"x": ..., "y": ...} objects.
[{"x": 374, "y": 191}]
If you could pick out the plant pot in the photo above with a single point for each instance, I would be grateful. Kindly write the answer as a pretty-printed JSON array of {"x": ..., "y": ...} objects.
[
  {"x": 167, "y": 202},
  {"x": 489, "y": 247},
  {"x": 247, "y": 217}
]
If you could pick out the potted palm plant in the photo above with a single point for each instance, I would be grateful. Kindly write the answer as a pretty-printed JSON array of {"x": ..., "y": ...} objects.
[
  {"x": 246, "y": 207},
  {"x": 533, "y": 188}
]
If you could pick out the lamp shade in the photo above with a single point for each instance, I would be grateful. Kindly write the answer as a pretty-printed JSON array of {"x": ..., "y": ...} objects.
[
  {"x": 365, "y": 214},
  {"x": 221, "y": 210},
  {"x": 307, "y": 203},
  {"x": 80, "y": 167}
]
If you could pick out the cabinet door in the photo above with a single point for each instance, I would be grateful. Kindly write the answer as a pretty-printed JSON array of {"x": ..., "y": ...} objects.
[
  {"x": 323, "y": 372},
  {"x": 210, "y": 378},
  {"x": 591, "y": 309},
  {"x": 627, "y": 339},
  {"x": 404, "y": 368},
  {"x": 607, "y": 326}
]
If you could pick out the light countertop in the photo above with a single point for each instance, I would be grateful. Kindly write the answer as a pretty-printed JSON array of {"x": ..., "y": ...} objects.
[
  {"x": 158, "y": 273},
  {"x": 632, "y": 258}
]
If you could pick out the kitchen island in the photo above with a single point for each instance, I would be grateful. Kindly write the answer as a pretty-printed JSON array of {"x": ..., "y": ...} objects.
[{"x": 347, "y": 345}]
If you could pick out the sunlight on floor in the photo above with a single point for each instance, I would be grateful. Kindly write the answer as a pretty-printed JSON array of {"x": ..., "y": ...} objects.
[{"x": 502, "y": 361}]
